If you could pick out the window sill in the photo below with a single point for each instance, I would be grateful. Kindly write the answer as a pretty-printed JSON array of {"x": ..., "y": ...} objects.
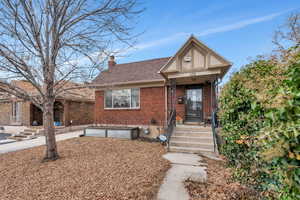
[{"x": 122, "y": 109}]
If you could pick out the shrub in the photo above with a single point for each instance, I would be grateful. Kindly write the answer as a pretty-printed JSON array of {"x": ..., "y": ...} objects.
[
  {"x": 260, "y": 117},
  {"x": 280, "y": 139}
]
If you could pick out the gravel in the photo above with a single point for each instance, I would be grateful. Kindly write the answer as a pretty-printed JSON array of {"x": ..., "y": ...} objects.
[{"x": 89, "y": 168}]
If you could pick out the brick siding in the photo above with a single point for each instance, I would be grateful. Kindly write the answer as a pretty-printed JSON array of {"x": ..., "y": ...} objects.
[
  {"x": 5, "y": 113},
  {"x": 79, "y": 112},
  {"x": 152, "y": 106}
]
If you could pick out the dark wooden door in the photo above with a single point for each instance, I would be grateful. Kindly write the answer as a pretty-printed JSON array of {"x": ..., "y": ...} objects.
[{"x": 193, "y": 103}]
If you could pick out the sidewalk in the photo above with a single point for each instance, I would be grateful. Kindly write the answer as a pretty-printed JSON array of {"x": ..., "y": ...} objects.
[
  {"x": 184, "y": 166},
  {"x": 15, "y": 146}
]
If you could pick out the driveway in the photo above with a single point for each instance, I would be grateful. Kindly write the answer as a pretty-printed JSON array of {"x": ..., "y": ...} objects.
[{"x": 15, "y": 146}]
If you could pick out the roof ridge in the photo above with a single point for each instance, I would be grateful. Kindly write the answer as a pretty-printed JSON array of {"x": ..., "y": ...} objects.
[{"x": 152, "y": 59}]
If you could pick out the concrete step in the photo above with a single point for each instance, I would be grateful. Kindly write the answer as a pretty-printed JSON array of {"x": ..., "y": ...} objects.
[
  {"x": 192, "y": 144},
  {"x": 203, "y": 139},
  {"x": 27, "y": 133},
  {"x": 30, "y": 130},
  {"x": 189, "y": 149},
  {"x": 192, "y": 134},
  {"x": 193, "y": 130},
  {"x": 191, "y": 127},
  {"x": 30, "y": 137},
  {"x": 193, "y": 123}
]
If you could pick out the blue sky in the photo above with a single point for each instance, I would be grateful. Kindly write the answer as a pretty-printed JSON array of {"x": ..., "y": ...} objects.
[{"x": 238, "y": 30}]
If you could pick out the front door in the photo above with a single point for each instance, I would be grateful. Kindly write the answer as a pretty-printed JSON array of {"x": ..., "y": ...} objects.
[{"x": 193, "y": 103}]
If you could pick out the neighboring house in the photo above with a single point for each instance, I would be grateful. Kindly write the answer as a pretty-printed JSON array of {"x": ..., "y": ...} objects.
[
  {"x": 74, "y": 106},
  {"x": 148, "y": 93}
]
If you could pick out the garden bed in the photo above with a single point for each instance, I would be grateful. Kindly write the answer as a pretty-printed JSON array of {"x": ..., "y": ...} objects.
[
  {"x": 89, "y": 168},
  {"x": 219, "y": 185}
]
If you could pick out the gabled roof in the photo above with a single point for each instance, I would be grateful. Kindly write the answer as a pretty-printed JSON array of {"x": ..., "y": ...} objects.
[
  {"x": 153, "y": 70},
  {"x": 192, "y": 39},
  {"x": 132, "y": 72}
]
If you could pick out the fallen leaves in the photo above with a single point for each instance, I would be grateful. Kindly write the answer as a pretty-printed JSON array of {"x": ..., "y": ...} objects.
[
  {"x": 89, "y": 168},
  {"x": 219, "y": 185}
]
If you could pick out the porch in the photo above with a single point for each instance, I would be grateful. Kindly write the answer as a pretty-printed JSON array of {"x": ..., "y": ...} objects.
[
  {"x": 59, "y": 114},
  {"x": 192, "y": 76},
  {"x": 193, "y": 103}
]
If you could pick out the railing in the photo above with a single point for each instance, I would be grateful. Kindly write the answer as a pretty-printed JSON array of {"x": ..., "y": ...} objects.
[
  {"x": 171, "y": 124},
  {"x": 214, "y": 125}
]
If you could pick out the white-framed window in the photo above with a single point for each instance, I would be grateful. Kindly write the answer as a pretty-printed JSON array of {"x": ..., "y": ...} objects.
[
  {"x": 125, "y": 98},
  {"x": 16, "y": 111}
]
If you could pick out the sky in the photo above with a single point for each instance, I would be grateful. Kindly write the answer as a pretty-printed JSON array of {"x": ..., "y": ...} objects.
[{"x": 236, "y": 29}]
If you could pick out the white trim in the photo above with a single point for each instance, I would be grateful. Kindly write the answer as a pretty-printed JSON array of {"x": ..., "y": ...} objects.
[
  {"x": 192, "y": 74},
  {"x": 137, "y": 108}
]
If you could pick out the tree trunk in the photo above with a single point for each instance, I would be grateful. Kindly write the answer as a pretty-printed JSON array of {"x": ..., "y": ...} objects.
[{"x": 51, "y": 152}]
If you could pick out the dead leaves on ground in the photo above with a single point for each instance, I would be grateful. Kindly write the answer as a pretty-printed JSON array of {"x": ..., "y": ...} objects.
[
  {"x": 89, "y": 168},
  {"x": 219, "y": 185}
]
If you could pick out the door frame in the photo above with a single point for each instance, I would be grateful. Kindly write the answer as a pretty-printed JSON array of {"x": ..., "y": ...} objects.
[{"x": 198, "y": 86}]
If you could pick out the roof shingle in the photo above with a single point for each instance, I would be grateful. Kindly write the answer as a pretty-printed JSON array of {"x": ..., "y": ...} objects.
[{"x": 132, "y": 72}]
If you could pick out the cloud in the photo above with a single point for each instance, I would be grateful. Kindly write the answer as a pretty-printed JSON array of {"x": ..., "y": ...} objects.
[
  {"x": 240, "y": 24},
  {"x": 219, "y": 29},
  {"x": 161, "y": 41}
]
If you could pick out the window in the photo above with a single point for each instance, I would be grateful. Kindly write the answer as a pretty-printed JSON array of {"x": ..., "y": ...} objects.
[
  {"x": 126, "y": 98},
  {"x": 16, "y": 111}
]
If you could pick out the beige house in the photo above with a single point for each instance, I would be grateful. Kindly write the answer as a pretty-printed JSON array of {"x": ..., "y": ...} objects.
[{"x": 75, "y": 106}]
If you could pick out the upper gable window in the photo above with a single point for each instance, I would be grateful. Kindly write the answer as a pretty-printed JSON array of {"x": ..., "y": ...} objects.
[{"x": 126, "y": 98}]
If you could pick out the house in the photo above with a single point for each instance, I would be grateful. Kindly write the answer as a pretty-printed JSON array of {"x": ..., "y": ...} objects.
[
  {"x": 73, "y": 107},
  {"x": 152, "y": 93}
]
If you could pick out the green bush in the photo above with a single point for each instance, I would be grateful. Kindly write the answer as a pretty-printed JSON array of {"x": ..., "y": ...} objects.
[
  {"x": 280, "y": 139},
  {"x": 259, "y": 114}
]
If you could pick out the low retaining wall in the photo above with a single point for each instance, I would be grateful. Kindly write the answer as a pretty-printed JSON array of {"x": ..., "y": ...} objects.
[
  {"x": 113, "y": 132},
  {"x": 60, "y": 130}
]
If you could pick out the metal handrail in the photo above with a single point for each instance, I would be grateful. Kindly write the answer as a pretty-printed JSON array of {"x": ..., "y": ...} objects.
[
  {"x": 171, "y": 124},
  {"x": 214, "y": 125}
]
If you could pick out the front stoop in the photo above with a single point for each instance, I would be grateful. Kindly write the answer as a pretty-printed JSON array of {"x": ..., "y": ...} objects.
[
  {"x": 192, "y": 139},
  {"x": 26, "y": 134}
]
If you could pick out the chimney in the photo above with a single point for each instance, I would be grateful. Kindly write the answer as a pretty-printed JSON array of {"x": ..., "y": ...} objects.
[{"x": 111, "y": 61}]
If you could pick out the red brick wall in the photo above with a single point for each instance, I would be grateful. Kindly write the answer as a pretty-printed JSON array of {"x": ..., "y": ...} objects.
[
  {"x": 180, "y": 108},
  {"x": 152, "y": 105},
  {"x": 79, "y": 112},
  {"x": 207, "y": 100}
]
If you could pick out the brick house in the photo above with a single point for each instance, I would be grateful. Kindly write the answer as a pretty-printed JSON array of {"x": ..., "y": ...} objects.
[
  {"x": 76, "y": 106},
  {"x": 148, "y": 93}
]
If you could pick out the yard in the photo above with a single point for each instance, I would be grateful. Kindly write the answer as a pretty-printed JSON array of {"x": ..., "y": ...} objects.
[
  {"x": 219, "y": 185},
  {"x": 89, "y": 168}
]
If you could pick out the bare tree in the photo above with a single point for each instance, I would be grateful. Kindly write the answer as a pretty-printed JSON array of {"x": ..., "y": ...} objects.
[
  {"x": 49, "y": 42},
  {"x": 288, "y": 35}
]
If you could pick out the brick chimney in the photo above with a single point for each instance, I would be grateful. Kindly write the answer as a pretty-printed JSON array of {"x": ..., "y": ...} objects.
[{"x": 111, "y": 61}]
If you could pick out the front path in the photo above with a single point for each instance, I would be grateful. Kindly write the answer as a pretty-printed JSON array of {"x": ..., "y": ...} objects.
[
  {"x": 184, "y": 166},
  {"x": 15, "y": 146}
]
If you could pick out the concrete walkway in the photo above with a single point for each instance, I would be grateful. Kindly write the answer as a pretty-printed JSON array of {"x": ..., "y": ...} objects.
[
  {"x": 184, "y": 166},
  {"x": 15, "y": 146}
]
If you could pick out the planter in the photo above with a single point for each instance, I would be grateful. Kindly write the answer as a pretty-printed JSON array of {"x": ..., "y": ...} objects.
[{"x": 179, "y": 122}]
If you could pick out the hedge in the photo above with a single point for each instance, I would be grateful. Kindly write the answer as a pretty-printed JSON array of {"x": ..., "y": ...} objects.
[{"x": 260, "y": 118}]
